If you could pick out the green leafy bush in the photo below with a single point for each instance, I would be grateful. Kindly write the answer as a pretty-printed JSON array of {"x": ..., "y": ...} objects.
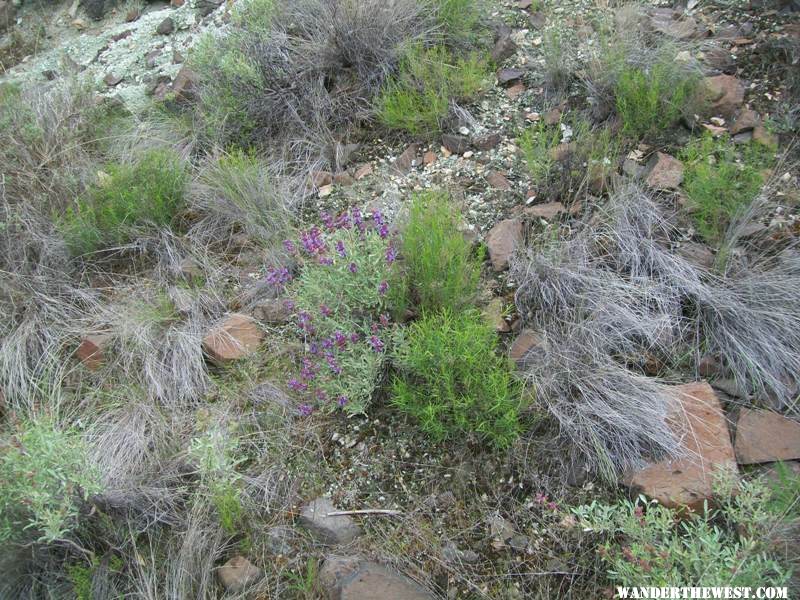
[
  {"x": 719, "y": 184},
  {"x": 453, "y": 383},
  {"x": 129, "y": 197},
  {"x": 650, "y": 101},
  {"x": 537, "y": 144},
  {"x": 46, "y": 477},
  {"x": 646, "y": 545},
  {"x": 458, "y": 19},
  {"x": 429, "y": 78},
  {"x": 440, "y": 267}
]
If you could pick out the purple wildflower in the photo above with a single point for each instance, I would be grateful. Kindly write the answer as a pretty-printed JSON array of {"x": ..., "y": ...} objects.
[
  {"x": 321, "y": 395},
  {"x": 391, "y": 254},
  {"x": 343, "y": 222},
  {"x": 288, "y": 304},
  {"x": 334, "y": 366},
  {"x": 376, "y": 343},
  {"x": 352, "y": 267},
  {"x": 312, "y": 241},
  {"x": 340, "y": 339},
  {"x": 305, "y": 410},
  {"x": 278, "y": 277},
  {"x": 341, "y": 400},
  {"x": 297, "y": 385},
  {"x": 377, "y": 217},
  {"x": 384, "y": 320},
  {"x": 354, "y": 337},
  {"x": 327, "y": 344},
  {"x": 290, "y": 247},
  {"x": 325, "y": 261},
  {"x": 325, "y": 311},
  {"x": 383, "y": 288},
  {"x": 340, "y": 248},
  {"x": 383, "y": 230},
  {"x": 309, "y": 370},
  {"x": 313, "y": 348},
  {"x": 374, "y": 328},
  {"x": 327, "y": 220}
]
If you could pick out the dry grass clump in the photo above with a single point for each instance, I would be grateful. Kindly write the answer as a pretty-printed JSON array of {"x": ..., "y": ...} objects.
[
  {"x": 297, "y": 77},
  {"x": 616, "y": 304}
]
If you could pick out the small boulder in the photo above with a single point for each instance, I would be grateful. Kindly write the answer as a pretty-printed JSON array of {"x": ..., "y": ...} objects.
[
  {"x": 664, "y": 172},
  {"x": 488, "y": 141},
  {"x": 111, "y": 79},
  {"x": 328, "y": 530},
  {"x": 206, "y": 7},
  {"x": 526, "y": 342},
  {"x": 91, "y": 351},
  {"x": 457, "y": 144},
  {"x": 236, "y": 337},
  {"x": 502, "y": 241},
  {"x": 238, "y": 574},
  {"x": 563, "y": 151},
  {"x": 515, "y": 91},
  {"x": 184, "y": 86},
  {"x": 498, "y": 180},
  {"x": 348, "y": 578},
  {"x": 698, "y": 419},
  {"x": 725, "y": 93},
  {"x": 363, "y": 171},
  {"x": 493, "y": 314},
  {"x": 766, "y": 436},
  {"x": 321, "y": 178},
  {"x": 503, "y": 48},
  {"x": 166, "y": 26},
  {"x": 547, "y": 211},
  {"x": 429, "y": 158},
  {"x": 746, "y": 120},
  {"x": 272, "y": 310},
  {"x": 409, "y": 158},
  {"x": 699, "y": 255},
  {"x": 344, "y": 179},
  {"x": 505, "y": 76}
]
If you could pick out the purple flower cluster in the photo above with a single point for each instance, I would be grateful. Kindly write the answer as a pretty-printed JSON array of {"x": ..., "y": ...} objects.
[
  {"x": 312, "y": 241},
  {"x": 278, "y": 277}
]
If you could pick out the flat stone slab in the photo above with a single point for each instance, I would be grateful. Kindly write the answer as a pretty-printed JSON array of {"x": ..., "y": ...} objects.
[
  {"x": 329, "y": 530},
  {"x": 698, "y": 419},
  {"x": 351, "y": 578},
  {"x": 502, "y": 241},
  {"x": 766, "y": 436},
  {"x": 236, "y": 337}
]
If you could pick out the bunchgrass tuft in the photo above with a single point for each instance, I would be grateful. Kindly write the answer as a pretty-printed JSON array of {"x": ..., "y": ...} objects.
[
  {"x": 429, "y": 80},
  {"x": 440, "y": 268},
  {"x": 720, "y": 180},
  {"x": 127, "y": 199},
  {"x": 451, "y": 381}
]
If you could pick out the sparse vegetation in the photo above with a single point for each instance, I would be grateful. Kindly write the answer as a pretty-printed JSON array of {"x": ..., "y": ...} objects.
[{"x": 452, "y": 382}]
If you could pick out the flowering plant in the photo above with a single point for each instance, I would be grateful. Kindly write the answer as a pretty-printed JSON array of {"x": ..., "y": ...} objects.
[{"x": 339, "y": 301}]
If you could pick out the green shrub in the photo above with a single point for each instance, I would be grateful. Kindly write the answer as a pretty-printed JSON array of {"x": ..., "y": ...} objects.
[
  {"x": 46, "y": 476},
  {"x": 453, "y": 383},
  {"x": 429, "y": 78},
  {"x": 440, "y": 267},
  {"x": 458, "y": 19},
  {"x": 650, "y": 101},
  {"x": 646, "y": 545},
  {"x": 148, "y": 192},
  {"x": 785, "y": 492},
  {"x": 717, "y": 184}
]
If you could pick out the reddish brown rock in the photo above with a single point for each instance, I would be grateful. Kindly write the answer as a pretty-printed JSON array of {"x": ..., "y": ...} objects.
[
  {"x": 236, "y": 337},
  {"x": 409, "y": 158},
  {"x": 746, "y": 120},
  {"x": 488, "y": 141},
  {"x": 344, "y": 179},
  {"x": 502, "y": 241},
  {"x": 457, "y": 144},
  {"x": 553, "y": 116},
  {"x": 321, "y": 178},
  {"x": 238, "y": 574},
  {"x": 725, "y": 93},
  {"x": 363, "y": 171},
  {"x": 184, "y": 87},
  {"x": 664, "y": 172},
  {"x": 515, "y": 91},
  {"x": 548, "y": 210},
  {"x": 698, "y": 419},
  {"x": 91, "y": 351},
  {"x": 498, "y": 180},
  {"x": 429, "y": 158},
  {"x": 525, "y": 342},
  {"x": 766, "y": 436}
]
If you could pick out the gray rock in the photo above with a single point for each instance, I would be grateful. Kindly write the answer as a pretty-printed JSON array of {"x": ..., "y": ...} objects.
[
  {"x": 349, "y": 578},
  {"x": 409, "y": 158},
  {"x": 328, "y": 530},
  {"x": 166, "y": 26},
  {"x": 457, "y": 144},
  {"x": 504, "y": 48}
]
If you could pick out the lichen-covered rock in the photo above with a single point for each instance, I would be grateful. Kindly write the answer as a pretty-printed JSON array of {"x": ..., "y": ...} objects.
[{"x": 329, "y": 530}]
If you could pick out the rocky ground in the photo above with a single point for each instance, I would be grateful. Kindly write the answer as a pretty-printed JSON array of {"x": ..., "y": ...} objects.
[{"x": 383, "y": 512}]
